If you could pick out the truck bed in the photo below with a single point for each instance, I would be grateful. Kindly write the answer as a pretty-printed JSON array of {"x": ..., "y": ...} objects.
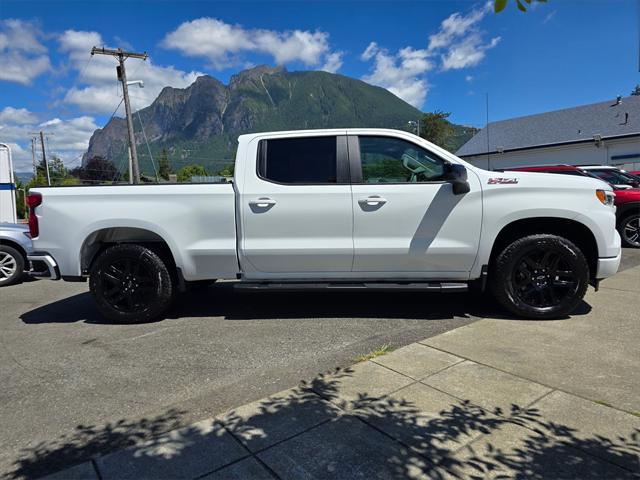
[{"x": 197, "y": 221}]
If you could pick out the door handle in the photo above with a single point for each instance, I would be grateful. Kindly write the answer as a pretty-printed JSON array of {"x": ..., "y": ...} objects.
[
  {"x": 373, "y": 200},
  {"x": 262, "y": 202}
]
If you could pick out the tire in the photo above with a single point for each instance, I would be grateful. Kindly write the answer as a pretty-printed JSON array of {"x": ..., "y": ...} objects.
[
  {"x": 131, "y": 284},
  {"x": 629, "y": 229},
  {"x": 11, "y": 265},
  {"x": 540, "y": 277}
]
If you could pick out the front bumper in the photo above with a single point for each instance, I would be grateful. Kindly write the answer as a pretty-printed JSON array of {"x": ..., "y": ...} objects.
[
  {"x": 43, "y": 266},
  {"x": 607, "y": 267}
]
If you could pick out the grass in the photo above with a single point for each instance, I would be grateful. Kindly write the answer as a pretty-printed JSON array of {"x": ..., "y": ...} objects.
[
  {"x": 378, "y": 352},
  {"x": 600, "y": 402}
]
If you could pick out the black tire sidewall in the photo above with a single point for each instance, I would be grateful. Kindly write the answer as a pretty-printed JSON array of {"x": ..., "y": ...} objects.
[
  {"x": 17, "y": 256},
  {"x": 502, "y": 285},
  {"x": 160, "y": 302}
]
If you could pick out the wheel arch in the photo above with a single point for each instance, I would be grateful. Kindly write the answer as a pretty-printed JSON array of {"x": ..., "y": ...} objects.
[
  {"x": 15, "y": 245},
  {"x": 626, "y": 209},
  {"x": 573, "y": 230},
  {"x": 102, "y": 238}
]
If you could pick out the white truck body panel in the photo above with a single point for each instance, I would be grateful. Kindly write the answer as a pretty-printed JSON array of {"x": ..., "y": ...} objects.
[
  {"x": 196, "y": 221},
  {"x": 262, "y": 230}
]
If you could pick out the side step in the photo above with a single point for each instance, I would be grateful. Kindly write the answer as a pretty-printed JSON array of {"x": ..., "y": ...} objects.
[{"x": 403, "y": 287}]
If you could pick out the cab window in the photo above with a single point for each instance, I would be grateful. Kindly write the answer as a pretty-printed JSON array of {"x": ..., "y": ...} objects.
[{"x": 393, "y": 160}]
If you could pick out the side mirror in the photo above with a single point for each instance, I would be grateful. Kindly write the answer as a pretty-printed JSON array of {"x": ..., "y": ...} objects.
[{"x": 456, "y": 175}]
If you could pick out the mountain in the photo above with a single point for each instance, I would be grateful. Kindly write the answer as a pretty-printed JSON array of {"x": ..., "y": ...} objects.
[{"x": 200, "y": 124}]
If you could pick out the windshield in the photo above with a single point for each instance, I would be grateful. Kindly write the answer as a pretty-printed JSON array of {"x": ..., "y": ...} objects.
[{"x": 615, "y": 177}]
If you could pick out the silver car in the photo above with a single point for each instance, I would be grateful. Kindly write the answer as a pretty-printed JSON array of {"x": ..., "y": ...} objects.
[{"x": 15, "y": 245}]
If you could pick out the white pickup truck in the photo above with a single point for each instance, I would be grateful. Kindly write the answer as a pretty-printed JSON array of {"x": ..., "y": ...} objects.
[{"x": 358, "y": 208}]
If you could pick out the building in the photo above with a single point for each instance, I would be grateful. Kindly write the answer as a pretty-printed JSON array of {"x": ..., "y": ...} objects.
[
  {"x": 606, "y": 133},
  {"x": 7, "y": 186}
]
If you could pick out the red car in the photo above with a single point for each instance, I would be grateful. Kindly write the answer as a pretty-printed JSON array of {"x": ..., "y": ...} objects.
[{"x": 627, "y": 199}]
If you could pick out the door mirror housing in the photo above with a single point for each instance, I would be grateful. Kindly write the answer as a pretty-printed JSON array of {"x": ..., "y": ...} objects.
[{"x": 456, "y": 175}]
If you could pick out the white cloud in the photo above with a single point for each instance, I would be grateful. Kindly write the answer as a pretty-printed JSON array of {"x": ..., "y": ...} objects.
[
  {"x": 469, "y": 78},
  {"x": 333, "y": 62},
  {"x": 67, "y": 139},
  {"x": 457, "y": 44},
  {"x": 457, "y": 25},
  {"x": 222, "y": 44},
  {"x": 467, "y": 53},
  {"x": 22, "y": 56},
  {"x": 16, "y": 116},
  {"x": 399, "y": 73},
  {"x": 99, "y": 91},
  {"x": 548, "y": 17}
]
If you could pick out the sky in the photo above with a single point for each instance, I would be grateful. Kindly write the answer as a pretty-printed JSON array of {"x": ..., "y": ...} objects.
[{"x": 443, "y": 55}]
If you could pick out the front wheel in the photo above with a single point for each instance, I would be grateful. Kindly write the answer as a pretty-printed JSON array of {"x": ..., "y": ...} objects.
[
  {"x": 540, "y": 277},
  {"x": 131, "y": 284}
]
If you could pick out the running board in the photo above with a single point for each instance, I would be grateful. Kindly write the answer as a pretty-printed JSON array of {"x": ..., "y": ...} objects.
[{"x": 408, "y": 287}]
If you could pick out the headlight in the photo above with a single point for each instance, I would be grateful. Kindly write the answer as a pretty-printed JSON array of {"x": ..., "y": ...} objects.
[{"x": 605, "y": 197}]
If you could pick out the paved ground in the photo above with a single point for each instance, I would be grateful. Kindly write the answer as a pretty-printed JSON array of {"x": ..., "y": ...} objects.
[
  {"x": 61, "y": 366},
  {"x": 498, "y": 398}
]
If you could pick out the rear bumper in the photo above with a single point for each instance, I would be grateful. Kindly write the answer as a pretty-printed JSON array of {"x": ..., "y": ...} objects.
[
  {"x": 608, "y": 267},
  {"x": 43, "y": 266}
]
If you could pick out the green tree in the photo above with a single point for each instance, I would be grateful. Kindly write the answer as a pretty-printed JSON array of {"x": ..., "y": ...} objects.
[
  {"x": 21, "y": 209},
  {"x": 228, "y": 170},
  {"x": 185, "y": 173},
  {"x": 98, "y": 170},
  {"x": 164, "y": 166},
  {"x": 636, "y": 91},
  {"x": 435, "y": 127},
  {"x": 499, "y": 5}
]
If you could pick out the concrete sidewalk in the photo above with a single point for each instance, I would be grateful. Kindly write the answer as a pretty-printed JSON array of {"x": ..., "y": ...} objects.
[{"x": 495, "y": 399}]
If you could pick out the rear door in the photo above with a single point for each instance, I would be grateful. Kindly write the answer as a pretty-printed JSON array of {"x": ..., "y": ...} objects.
[
  {"x": 296, "y": 211},
  {"x": 407, "y": 220}
]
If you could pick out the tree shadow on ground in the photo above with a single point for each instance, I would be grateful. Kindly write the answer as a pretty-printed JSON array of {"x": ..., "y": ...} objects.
[
  {"x": 316, "y": 431},
  {"x": 221, "y": 300}
]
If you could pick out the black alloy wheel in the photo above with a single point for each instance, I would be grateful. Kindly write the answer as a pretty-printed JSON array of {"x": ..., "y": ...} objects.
[
  {"x": 540, "y": 277},
  {"x": 131, "y": 283},
  {"x": 544, "y": 278}
]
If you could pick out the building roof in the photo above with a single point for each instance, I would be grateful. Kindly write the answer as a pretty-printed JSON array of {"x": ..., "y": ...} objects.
[{"x": 577, "y": 124}]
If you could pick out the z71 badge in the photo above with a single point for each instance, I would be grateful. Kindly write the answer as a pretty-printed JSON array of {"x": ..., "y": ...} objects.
[{"x": 502, "y": 181}]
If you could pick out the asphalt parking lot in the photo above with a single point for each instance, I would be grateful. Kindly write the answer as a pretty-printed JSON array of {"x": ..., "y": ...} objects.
[{"x": 61, "y": 366}]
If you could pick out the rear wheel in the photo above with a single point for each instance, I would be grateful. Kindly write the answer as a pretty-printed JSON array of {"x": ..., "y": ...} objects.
[
  {"x": 11, "y": 265},
  {"x": 131, "y": 284},
  {"x": 540, "y": 277},
  {"x": 630, "y": 231}
]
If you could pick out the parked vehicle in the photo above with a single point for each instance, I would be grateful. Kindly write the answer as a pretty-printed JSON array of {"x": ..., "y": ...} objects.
[
  {"x": 627, "y": 189},
  {"x": 15, "y": 246},
  {"x": 361, "y": 208},
  {"x": 612, "y": 175},
  {"x": 627, "y": 198}
]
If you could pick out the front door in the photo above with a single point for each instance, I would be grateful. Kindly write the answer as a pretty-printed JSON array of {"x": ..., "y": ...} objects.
[
  {"x": 407, "y": 220},
  {"x": 296, "y": 209}
]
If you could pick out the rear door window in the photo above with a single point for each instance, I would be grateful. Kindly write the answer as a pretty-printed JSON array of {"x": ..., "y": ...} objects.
[{"x": 305, "y": 160}]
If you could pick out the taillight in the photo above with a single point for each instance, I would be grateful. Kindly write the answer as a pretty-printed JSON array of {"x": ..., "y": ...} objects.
[{"x": 33, "y": 200}]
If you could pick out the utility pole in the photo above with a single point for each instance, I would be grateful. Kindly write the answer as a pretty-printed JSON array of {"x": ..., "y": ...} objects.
[
  {"x": 33, "y": 156},
  {"x": 44, "y": 158},
  {"x": 44, "y": 155},
  {"x": 122, "y": 76}
]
